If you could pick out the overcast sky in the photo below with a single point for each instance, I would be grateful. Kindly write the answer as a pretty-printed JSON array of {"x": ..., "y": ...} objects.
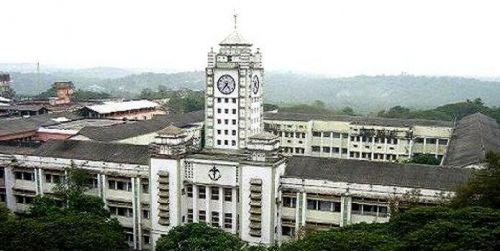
[{"x": 338, "y": 38}]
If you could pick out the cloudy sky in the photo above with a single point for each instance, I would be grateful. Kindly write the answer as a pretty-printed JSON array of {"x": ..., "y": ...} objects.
[{"x": 338, "y": 38}]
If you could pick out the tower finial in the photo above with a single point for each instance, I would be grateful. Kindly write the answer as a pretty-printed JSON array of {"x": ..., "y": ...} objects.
[{"x": 235, "y": 20}]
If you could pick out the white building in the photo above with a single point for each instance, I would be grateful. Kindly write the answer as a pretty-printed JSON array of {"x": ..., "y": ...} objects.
[{"x": 235, "y": 178}]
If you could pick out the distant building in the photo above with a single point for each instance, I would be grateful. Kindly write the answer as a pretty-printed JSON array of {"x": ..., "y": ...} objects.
[
  {"x": 4, "y": 82},
  {"x": 64, "y": 92},
  {"x": 127, "y": 110}
]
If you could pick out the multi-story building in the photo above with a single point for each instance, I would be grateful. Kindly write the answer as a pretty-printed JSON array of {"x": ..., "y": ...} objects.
[
  {"x": 356, "y": 137},
  {"x": 156, "y": 175}
]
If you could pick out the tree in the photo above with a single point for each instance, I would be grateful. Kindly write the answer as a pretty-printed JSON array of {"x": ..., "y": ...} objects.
[
  {"x": 270, "y": 107},
  {"x": 348, "y": 111},
  {"x": 483, "y": 189},
  {"x": 198, "y": 236},
  {"x": 428, "y": 159},
  {"x": 69, "y": 220}
]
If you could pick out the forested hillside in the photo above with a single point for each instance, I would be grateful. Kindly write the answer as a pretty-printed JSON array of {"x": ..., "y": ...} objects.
[{"x": 362, "y": 93}]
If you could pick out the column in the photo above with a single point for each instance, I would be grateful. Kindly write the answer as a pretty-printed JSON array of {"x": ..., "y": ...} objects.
[
  {"x": 345, "y": 210},
  {"x": 425, "y": 144},
  {"x": 349, "y": 145},
  {"x": 208, "y": 191},
  {"x": 385, "y": 149},
  {"x": 195, "y": 203},
  {"x": 39, "y": 179},
  {"x": 372, "y": 148},
  {"x": 134, "y": 212},
  {"x": 221, "y": 207},
  {"x": 103, "y": 189},
  {"x": 437, "y": 148},
  {"x": 304, "y": 208},
  {"x": 410, "y": 153},
  {"x": 234, "y": 208},
  {"x": 298, "y": 212},
  {"x": 341, "y": 138}
]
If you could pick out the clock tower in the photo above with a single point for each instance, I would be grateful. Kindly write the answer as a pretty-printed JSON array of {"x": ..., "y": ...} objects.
[{"x": 234, "y": 102}]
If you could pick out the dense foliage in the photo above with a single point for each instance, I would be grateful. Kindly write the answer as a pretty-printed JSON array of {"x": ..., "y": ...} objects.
[
  {"x": 69, "y": 220},
  {"x": 428, "y": 159},
  {"x": 198, "y": 237},
  {"x": 318, "y": 107},
  {"x": 454, "y": 111}
]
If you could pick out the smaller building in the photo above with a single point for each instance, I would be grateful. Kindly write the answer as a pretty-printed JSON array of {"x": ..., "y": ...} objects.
[
  {"x": 128, "y": 110},
  {"x": 64, "y": 92},
  {"x": 4, "y": 83}
]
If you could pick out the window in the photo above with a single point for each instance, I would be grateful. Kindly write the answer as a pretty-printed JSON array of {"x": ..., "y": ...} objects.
[
  {"x": 344, "y": 150},
  {"x": 190, "y": 216},
  {"x": 214, "y": 193},
  {"x": 52, "y": 178},
  {"x": 322, "y": 205},
  {"x": 315, "y": 148},
  {"x": 326, "y": 149},
  {"x": 219, "y": 132},
  {"x": 226, "y": 132},
  {"x": 219, "y": 121},
  {"x": 189, "y": 189},
  {"x": 326, "y": 134},
  {"x": 316, "y": 134},
  {"x": 233, "y": 142},
  {"x": 335, "y": 149},
  {"x": 234, "y": 111},
  {"x": 233, "y": 132},
  {"x": 234, "y": 121},
  {"x": 1, "y": 173},
  {"x": 215, "y": 219},
  {"x": 121, "y": 211},
  {"x": 289, "y": 202},
  {"x": 443, "y": 141},
  {"x": 24, "y": 176},
  {"x": 218, "y": 110},
  {"x": 219, "y": 100},
  {"x": 226, "y": 121},
  {"x": 146, "y": 239},
  {"x": 228, "y": 220},
  {"x": 226, "y": 100},
  {"x": 226, "y": 142},
  {"x": 431, "y": 141},
  {"x": 24, "y": 199},
  {"x": 228, "y": 194},
  {"x": 145, "y": 185},
  {"x": 202, "y": 193},
  {"x": 202, "y": 216},
  {"x": 120, "y": 185},
  {"x": 226, "y": 111},
  {"x": 145, "y": 214},
  {"x": 312, "y": 204},
  {"x": 419, "y": 140},
  {"x": 336, "y": 135},
  {"x": 234, "y": 100},
  {"x": 287, "y": 231},
  {"x": 219, "y": 142}
]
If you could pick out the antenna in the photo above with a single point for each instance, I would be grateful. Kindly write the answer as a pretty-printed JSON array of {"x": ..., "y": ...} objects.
[{"x": 235, "y": 16}]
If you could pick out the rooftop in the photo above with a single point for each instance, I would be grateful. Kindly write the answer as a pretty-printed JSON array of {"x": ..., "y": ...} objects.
[
  {"x": 235, "y": 39},
  {"x": 95, "y": 151},
  {"x": 15, "y": 125},
  {"x": 109, "y": 107},
  {"x": 358, "y": 120},
  {"x": 129, "y": 130},
  {"x": 474, "y": 136},
  {"x": 377, "y": 173}
]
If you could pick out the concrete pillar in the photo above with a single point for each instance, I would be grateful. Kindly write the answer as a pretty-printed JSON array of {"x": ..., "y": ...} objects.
[
  {"x": 9, "y": 183},
  {"x": 234, "y": 208},
  {"x": 103, "y": 188},
  {"x": 345, "y": 210},
  {"x": 208, "y": 191},
  {"x": 195, "y": 203},
  {"x": 372, "y": 148},
  {"x": 304, "y": 208},
  {"x": 437, "y": 148},
  {"x": 134, "y": 213},
  {"x": 425, "y": 145},
  {"x": 221, "y": 207},
  {"x": 349, "y": 145},
  {"x": 298, "y": 212},
  {"x": 38, "y": 181},
  {"x": 385, "y": 149},
  {"x": 340, "y": 146}
]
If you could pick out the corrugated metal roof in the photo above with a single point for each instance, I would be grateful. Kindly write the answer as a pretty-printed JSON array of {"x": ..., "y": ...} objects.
[
  {"x": 377, "y": 173},
  {"x": 110, "y": 107}
]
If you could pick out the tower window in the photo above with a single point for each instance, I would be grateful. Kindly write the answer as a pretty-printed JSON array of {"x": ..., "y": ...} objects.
[
  {"x": 219, "y": 100},
  {"x": 234, "y": 111},
  {"x": 233, "y": 142},
  {"x": 234, "y": 121},
  {"x": 219, "y": 121},
  {"x": 234, "y": 100},
  {"x": 226, "y": 132},
  {"x": 218, "y": 110},
  {"x": 233, "y": 132},
  {"x": 226, "y": 100},
  {"x": 226, "y": 121},
  {"x": 218, "y": 142},
  {"x": 202, "y": 192},
  {"x": 218, "y": 132},
  {"x": 226, "y": 111},
  {"x": 226, "y": 142}
]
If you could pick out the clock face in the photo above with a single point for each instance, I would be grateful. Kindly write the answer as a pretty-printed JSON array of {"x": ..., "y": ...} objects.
[
  {"x": 226, "y": 84},
  {"x": 255, "y": 84}
]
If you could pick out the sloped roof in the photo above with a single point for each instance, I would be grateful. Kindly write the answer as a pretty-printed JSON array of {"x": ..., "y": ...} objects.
[
  {"x": 235, "y": 38},
  {"x": 377, "y": 173},
  {"x": 137, "y": 128},
  {"x": 359, "y": 120},
  {"x": 95, "y": 151},
  {"x": 474, "y": 136},
  {"x": 264, "y": 135},
  {"x": 19, "y": 124},
  {"x": 110, "y": 107},
  {"x": 171, "y": 130}
]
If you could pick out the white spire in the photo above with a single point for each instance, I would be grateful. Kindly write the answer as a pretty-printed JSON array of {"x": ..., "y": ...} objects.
[{"x": 235, "y": 38}]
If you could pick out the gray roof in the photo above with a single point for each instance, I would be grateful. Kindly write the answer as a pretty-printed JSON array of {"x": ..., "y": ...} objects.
[
  {"x": 19, "y": 124},
  {"x": 95, "y": 151},
  {"x": 235, "y": 38},
  {"x": 264, "y": 135},
  {"x": 130, "y": 130},
  {"x": 377, "y": 173},
  {"x": 359, "y": 120},
  {"x": 21, "y": 150},
  {"x": 474, "y": 136}
]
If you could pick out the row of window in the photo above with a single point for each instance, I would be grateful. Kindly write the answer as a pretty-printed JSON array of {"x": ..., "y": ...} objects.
[
  {"x": 335, "y": 135},
  {"x": 127, "y": 212},
  {"x": 214, "y": 193},
  {"x": 214, "y": 219},
  {"x": 226, "y": 100},
  {"x": 298, "y": 135},
  {"x": 129, "y": 236},
  {"x": 226, "y": 142},
  {"x": 127, "y": 185},
  {"x": 295, "y": 150},
  {"x": 226, "y": 121},
  {"x": 377, "y": 156},
  {"x": 226, "y": 111},
  {"x": 333, "y": 206},
  {"x": 431, "y": 141},
  {"x": 378, "y": 140},
  {"x": 226, "y": 132},
  {"x": 327, "y": 149}
]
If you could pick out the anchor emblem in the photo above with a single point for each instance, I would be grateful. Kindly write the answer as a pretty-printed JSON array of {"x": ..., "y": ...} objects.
[{"x": 214, "y": 174}]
